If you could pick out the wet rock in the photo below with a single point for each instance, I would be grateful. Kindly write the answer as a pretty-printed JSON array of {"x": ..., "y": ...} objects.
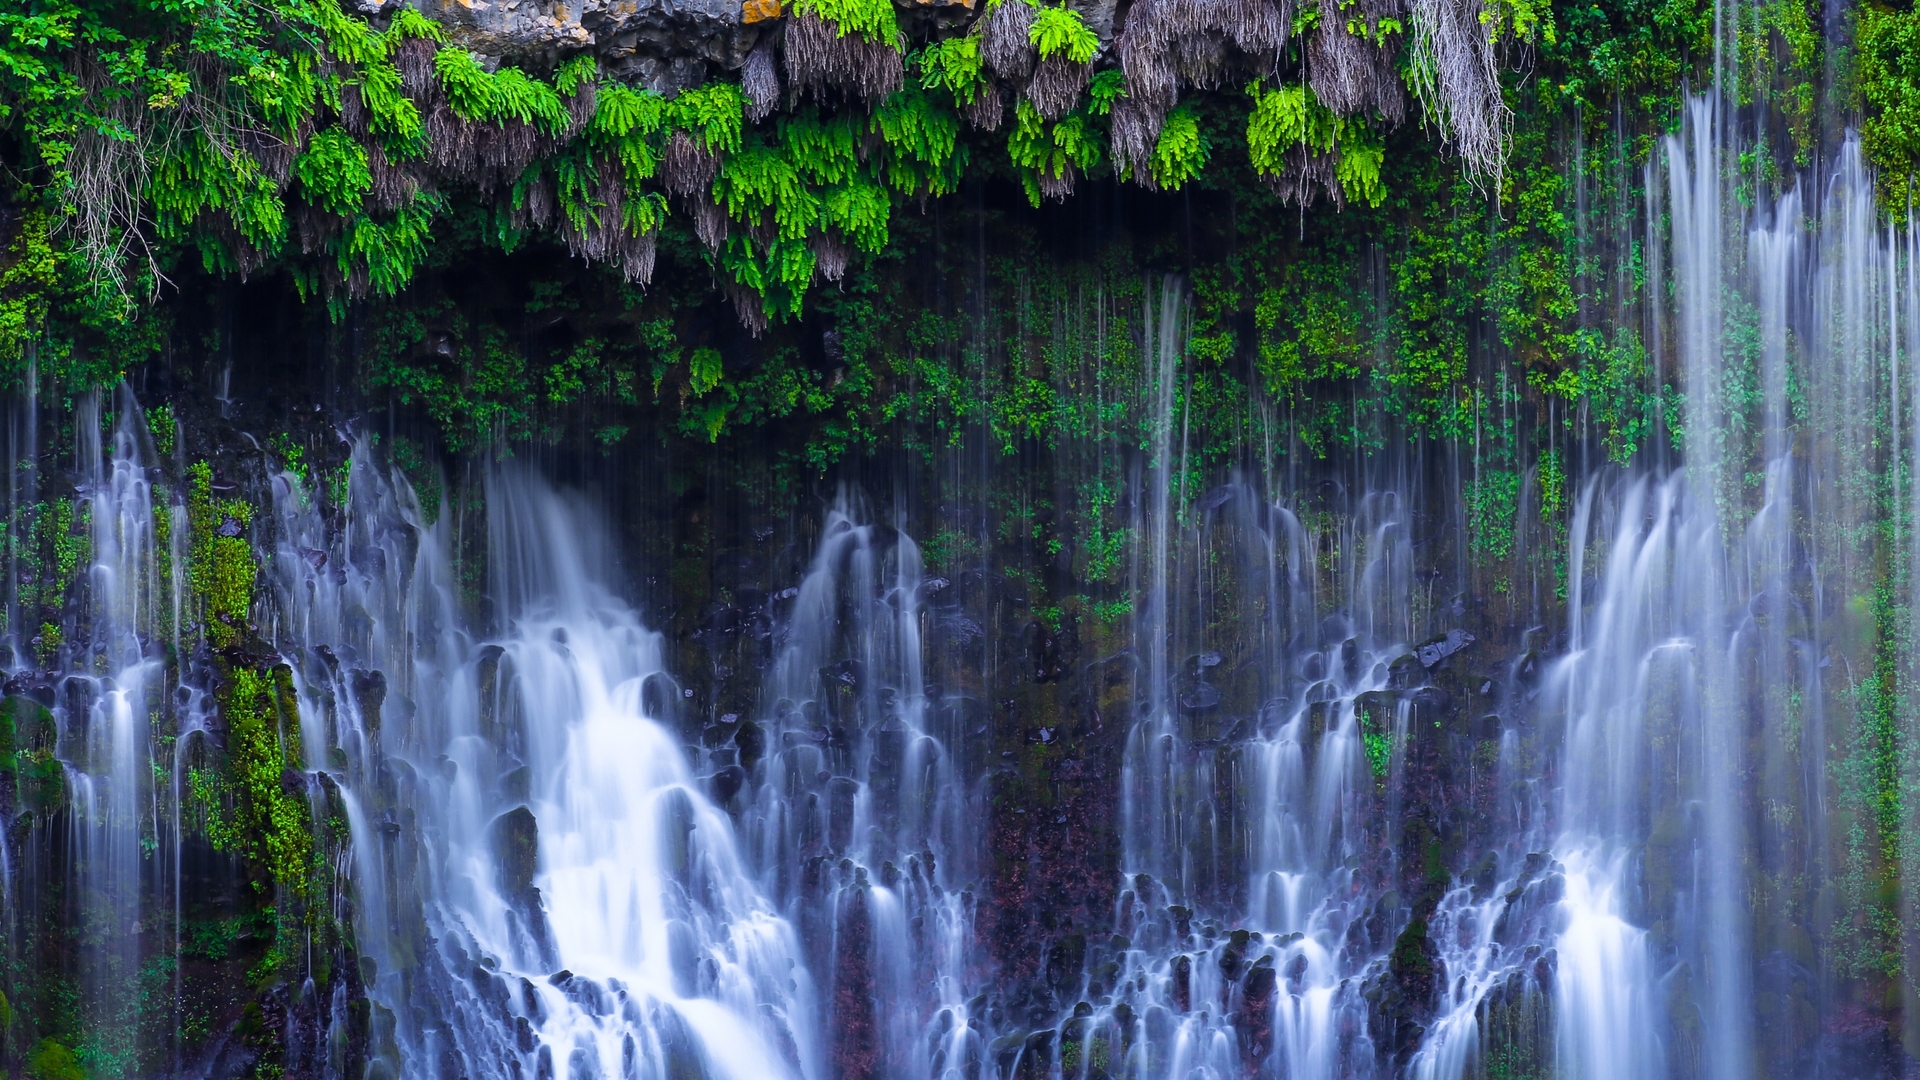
[
  {"x": 516, "y": 851},
  {"x": 1254, "y": 1018},
  {"x": 369, "y": 690},
  {"x": 726, "y": 783},
  {"x": 1440, "y": 648}
]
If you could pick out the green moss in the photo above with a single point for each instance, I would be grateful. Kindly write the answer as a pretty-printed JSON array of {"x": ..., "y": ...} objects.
[
  {"x": 273, "y": 826},
  {"x": 1888, "y": 39},
  {"x": 50, "y": 1060},
  {"x": 220, "y": 563},
  {"x": 162, "y": 426}
]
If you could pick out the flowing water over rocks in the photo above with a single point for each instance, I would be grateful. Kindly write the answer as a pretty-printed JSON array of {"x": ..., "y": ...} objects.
[{"x": 1303, "y": 808}]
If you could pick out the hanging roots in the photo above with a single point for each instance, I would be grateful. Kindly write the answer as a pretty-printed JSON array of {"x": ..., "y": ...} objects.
[
  {"x": 414, "y": 58},
  {"x": 605, "y": 237},
  {"x": 1458, "y": 83},
  {"x": 1057, "y": 188},
  {"x": 1004, "y": 42},
  {"x": 831, "y": 255},
  {"x": 353, "y": 110},
  {"x": 1202, "y": 43},
  {"x": 1134, "y": 134},
  {"x": 450, "y": 140},
  {"x": 1351, "y": 76},
  {"x": 747, "y": 305},
  {"x": 709, "y": 222},
  {"x": 1306, "y": 176},
  {"x": 394, "y": 186},
  {"x": 1057, "y": 85},
  {"x": 987, "y": 110},
  {"x": 687, "y": 169},
  {"x": 1146, "y": 57},
  {"x": 580, "y": 107},
  {"x": 760, "y": 80},
  {"x": 820, "y": 57}
]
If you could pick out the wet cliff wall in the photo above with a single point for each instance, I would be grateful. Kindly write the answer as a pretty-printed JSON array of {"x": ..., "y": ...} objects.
[{"x": 1001, "y": 274}]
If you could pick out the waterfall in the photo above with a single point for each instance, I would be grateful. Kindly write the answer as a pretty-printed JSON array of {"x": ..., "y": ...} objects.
[
  {"x": 587, "y": 909},
  {"x": 111, "y": 683},
  {"x": 861, "y": 803}
]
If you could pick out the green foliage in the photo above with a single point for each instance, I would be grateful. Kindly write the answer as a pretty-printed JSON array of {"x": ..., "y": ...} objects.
[
  {"x": 50, "y": 1060},
  {"x": 1057, "y": 150},
  {"x": 333, "y": 172},
  {"x": 1181, "y": 151},
  {"x": 1060, "y": 31},
  {"x": 1889, "y": 71},
  {"x": 924, "y": 154},
  {"x": 1105, "y": 88},
  {"x": 220, "y": 560},
  {"x": 273, "y": 825},
  {"x": 163, "y": 427},
  {"x": 713, "y": 114},
  {"x": 504, "y": 96},
  {"x": 1289, "y": 118},
  {"x": 953, "y": 65},
  {"x": 871, "y": 19},
  {"x": 1493, "y": 503}
]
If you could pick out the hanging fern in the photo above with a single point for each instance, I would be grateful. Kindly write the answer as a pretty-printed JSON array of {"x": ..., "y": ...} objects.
[
  {"x": 713, "y": 114},
  {"x": 924, "y": 155},
  {"x": 1289, "y": 120},
  {"x": 825, "y": 152},
  {"x": 1181, "y": 151},
  {"x": 954, "y": 65},
  {"x": 870, "y": 19},
  {"x": 1049, "y": 156},
  {"x": 333, "y": 172},
  {"x": 1060, "y": 31}
]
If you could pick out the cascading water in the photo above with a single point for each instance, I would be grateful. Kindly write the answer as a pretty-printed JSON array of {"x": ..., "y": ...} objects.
[
  {"x": 860, "y": 803},
  {"x": 1351, "y": 842},
  {"x": 107, "y": 703},
  {"x": 589, "y": 913}
]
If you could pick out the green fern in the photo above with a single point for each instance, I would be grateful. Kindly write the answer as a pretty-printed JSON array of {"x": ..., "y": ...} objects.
[
  {"x": 1361, "y": 155},
  {"x": 714, "y": 114},
  {"x": 824, "y": 152},
  {"x": 859, "y": 211},
  {"x": 333, "y": 172},
  {"x": 954, "y": 65},
  {"x": 392, "y": 250},
  {"x": 1181, "y": 151},
  {"x": 1291, "y": 116},
  {"x": 1039, "y": 149},
  {"x": 760, "y": 181},
  {"x": 871, "y": 19},
  {"x": 623, "y": 126},
  {"x": 506, "y": 95},
  {"x": 1060, "y": 31},
  {"x": 924, "y": 155},
  {"x": 1104, "y": 89}
]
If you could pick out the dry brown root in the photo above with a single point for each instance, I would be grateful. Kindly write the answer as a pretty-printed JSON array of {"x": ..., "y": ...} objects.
[
  {"x": 831, "y": 256},
  {"x": 686, "y": 167},
  {"x": 1306, "y": 176},
  {"x": 1004, "y": 44},
  {"x": 1134, "y": 134},
  {"x": 1057, "y": 85},
  {"x": 1459, "y": 84},
  {"x": 820, "y": 58},
  {"x": 760, "y": 80},
  {"x": 1351, "y": 75},
  {"x": 988, "y": 110}
]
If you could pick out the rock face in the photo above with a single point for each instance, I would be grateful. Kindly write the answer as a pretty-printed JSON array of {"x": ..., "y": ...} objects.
[{"x": 665, "y": 45}]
